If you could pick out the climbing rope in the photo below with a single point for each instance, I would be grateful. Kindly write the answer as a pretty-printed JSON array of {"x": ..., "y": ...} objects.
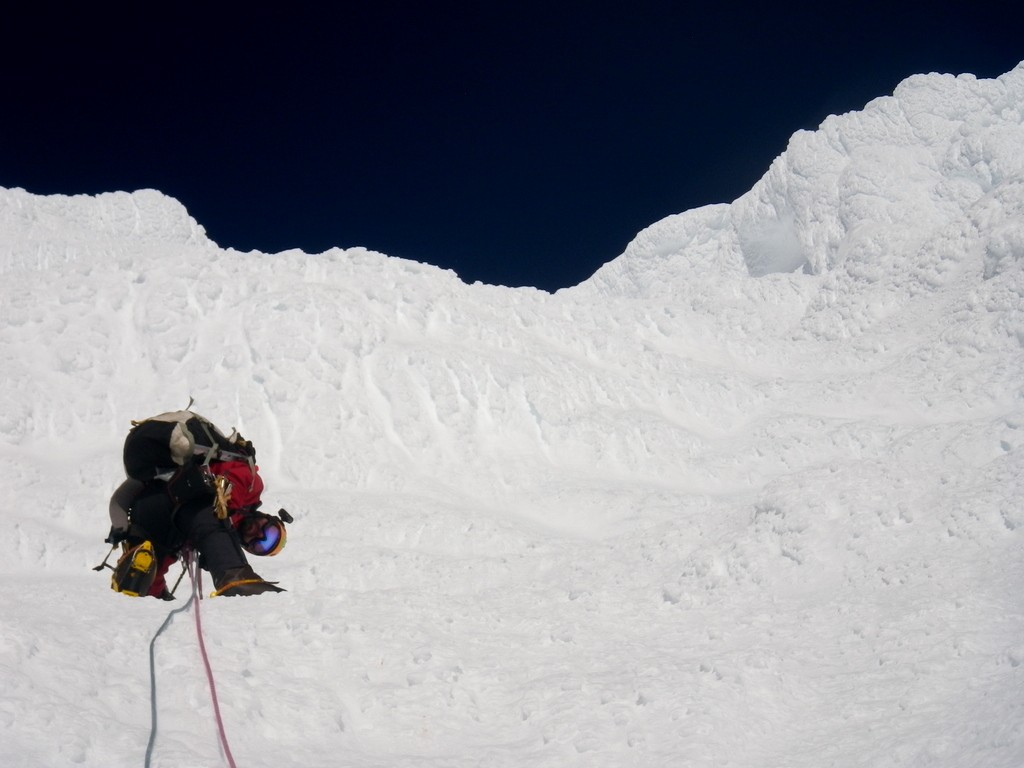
[
  {"x": 152, "y": 674},
  {"x": 195, "y": 574}
]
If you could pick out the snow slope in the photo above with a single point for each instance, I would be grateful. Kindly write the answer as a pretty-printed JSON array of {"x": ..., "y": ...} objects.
[{"x": 751, "y": 495}]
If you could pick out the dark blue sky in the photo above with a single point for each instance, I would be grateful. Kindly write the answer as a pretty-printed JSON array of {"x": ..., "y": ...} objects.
[{"x": 523, "y": 146}]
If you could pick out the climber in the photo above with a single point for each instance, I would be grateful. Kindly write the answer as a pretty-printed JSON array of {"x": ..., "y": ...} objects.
[{"x": 189, "y": 486}]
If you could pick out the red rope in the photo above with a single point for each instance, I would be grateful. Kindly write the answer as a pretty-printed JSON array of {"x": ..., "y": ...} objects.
[{"x": 196, "y": 575}]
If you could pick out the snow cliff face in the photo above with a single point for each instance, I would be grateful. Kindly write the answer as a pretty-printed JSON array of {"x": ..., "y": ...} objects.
[{"x": 750, "y": 493}]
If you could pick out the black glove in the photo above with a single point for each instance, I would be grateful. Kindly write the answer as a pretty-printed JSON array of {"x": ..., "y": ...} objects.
[
  {"x": 193, "y": 481},
  {"x": 245, "y": 446},
  {"x": 116, "y": 536}
]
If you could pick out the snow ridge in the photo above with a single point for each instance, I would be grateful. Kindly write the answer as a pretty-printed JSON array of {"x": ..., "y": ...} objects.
[{"x": 83, "y": 225}]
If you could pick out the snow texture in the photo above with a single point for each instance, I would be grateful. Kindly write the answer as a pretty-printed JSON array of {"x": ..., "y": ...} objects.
[{"x": 752, "y": 495}]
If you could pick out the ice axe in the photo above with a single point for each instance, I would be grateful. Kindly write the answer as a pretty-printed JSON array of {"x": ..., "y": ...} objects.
[{"x": 104, "y": 564}]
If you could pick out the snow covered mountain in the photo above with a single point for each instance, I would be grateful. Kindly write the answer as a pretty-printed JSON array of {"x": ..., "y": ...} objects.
[{"x": 751, "y": 495}]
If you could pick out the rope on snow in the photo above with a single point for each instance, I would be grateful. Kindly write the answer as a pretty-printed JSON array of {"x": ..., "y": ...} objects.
[
  {"x": 196, "y": 588},
  {"x": 196, "y": 575},
  {"x": 152, "y": 673}
]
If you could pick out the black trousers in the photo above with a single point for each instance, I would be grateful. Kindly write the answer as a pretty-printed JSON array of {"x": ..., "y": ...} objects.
[{"x": 154, "y": 517}]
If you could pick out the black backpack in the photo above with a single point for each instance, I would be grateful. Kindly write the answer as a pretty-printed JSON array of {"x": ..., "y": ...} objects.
[{"x": 161, "y": 445}]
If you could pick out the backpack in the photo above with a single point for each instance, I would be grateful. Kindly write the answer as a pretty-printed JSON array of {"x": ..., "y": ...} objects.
[{"x": 159, "y": 447}]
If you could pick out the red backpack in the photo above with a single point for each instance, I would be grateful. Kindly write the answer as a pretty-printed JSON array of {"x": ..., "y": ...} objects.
[{"x": 245, "y": 481}]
